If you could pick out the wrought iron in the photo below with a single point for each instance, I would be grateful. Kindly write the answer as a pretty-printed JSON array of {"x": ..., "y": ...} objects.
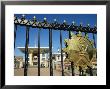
[
  {"x": 94, "y": 40},
  {"x": 15, "y": 29},
  {"x": 50, "y": 52},
  {"x": 26, "y": 51},
  {"x": 61, "y": 53},
  {"x": 54, "y": 26},
  {"x": 50, "y": 26},
  {"x": 39, "y": 52}
]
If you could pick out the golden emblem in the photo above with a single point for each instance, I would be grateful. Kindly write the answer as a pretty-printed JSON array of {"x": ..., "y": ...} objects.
[{"x": 80, "y": 50}]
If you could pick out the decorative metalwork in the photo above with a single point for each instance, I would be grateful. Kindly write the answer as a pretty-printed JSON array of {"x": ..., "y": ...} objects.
[
  {"x": 80, "y": 50},
  {"x": 61, "y": 53},
  {"x": 15, "y": 29},
  {"x": 26, "y": 51},
  {"x": 34, "y": 23},
  {"x": 39, "y": 52},
  {"x": 50, "y": 52},
  {"x": 55, "y": 25}
]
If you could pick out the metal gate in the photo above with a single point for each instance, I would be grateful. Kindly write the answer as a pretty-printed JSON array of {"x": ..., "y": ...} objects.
[{"x": 50, "y": 26}]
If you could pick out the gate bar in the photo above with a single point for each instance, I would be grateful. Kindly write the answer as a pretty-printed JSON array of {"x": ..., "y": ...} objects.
[
  {"x": 15, "y": 29},
  {"x": 94, "y": 40},
  {"x": 26, "y": 51},
  {"x": 50, "y": 52},
  {"x": 61, "y": 53},
  {"x": 39, "y": 52},
  {"x": 85, "y": 33}
]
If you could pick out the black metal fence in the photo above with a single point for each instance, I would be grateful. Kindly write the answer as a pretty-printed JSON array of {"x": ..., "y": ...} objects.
[{"x": 50, "y": 26}]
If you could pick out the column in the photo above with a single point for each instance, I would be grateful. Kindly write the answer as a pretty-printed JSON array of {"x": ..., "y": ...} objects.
[
  {"x": 41, "y": 59},
  {"x": 20, "y": 64},
  {"x": 30, "y": 59}
]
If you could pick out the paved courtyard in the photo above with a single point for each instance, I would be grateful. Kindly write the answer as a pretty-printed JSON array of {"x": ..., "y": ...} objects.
[{"x": 43, "y": 72}]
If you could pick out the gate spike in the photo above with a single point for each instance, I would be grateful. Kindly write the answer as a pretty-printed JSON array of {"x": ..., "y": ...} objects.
[
  {"x": 73, "y": 22},
  {"x": 64, "y": 21},
  {"x": 45, "y": 19},
  {"x": 34, "y": 18},
  {"x": 23, "y": 16},
  {"x": 88, "y": 25},
  {"x": 81, "y": 24},
  {"x": 55, "y": 20}
]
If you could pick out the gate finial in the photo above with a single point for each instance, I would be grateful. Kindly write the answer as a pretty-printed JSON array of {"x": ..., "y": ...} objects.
[
  {"x": 23, "y": 17},
  {"x": 73, "y": 22},
  {"x": 45, "y": 18},
  {"x": 34, "y": 18}
]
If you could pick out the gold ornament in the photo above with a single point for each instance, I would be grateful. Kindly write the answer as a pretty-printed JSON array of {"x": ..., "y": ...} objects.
[{"x": 79, "y": 49}]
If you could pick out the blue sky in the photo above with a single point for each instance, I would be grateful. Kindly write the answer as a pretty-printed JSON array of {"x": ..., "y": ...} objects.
[{"x": 44, "y": 42}]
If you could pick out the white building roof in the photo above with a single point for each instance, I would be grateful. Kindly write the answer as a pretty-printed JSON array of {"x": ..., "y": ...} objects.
[{"x": 34, "y": 49}]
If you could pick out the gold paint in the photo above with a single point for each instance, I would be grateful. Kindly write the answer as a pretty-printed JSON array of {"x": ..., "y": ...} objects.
[{"x": 80, "y": 50}]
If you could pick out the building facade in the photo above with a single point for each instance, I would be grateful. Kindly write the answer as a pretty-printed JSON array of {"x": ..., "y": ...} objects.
[
  {"x": 45, "y": 62},
  {"x": 44, "y": 57},
  {"x": 18, "y": 62}
]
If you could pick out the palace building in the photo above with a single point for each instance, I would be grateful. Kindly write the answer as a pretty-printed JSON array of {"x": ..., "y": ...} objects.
[
  {"x": 44, "y": 57},
  {"x": 33, "y": 55}
]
